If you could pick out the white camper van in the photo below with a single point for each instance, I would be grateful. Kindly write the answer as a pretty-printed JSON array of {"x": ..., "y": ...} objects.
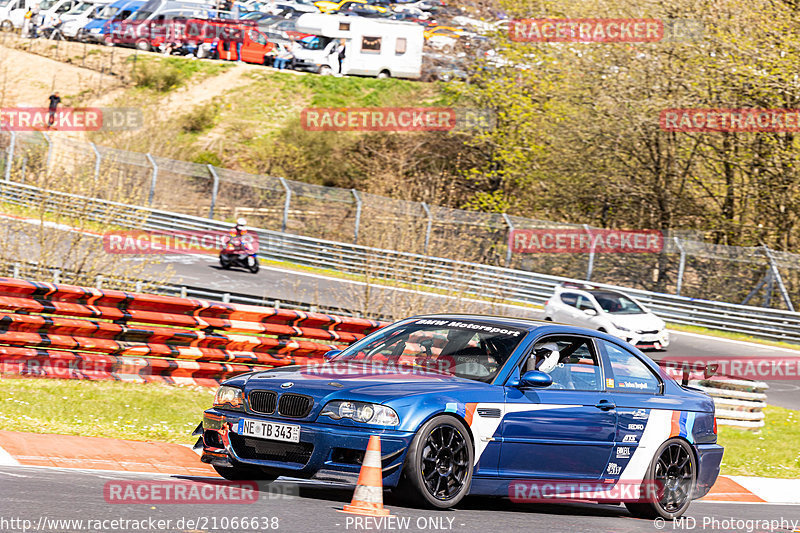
[{"x": 373, "y": 47}]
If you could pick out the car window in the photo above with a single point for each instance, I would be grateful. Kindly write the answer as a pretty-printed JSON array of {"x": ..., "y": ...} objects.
[
  {"x": 465, "y": 348},
  {"x": 569, "y": 298},
  {"x": 578, "y": 366},
  {"x": 617, "y": 304},
  {"x": 630, "y": 373},
  {"x": 585, "y": 303}
]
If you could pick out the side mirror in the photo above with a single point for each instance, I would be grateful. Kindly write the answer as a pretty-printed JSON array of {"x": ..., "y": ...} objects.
[
  {"x": 331, "y": 354},
  {"x": 590, "y": 312},
  {"x": 535, "y": 378}
]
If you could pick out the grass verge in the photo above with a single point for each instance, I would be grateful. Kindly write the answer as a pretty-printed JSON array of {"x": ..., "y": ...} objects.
[
  {"x": 158, "y": 412},
  {"x": 169, "y": 413},
  {"x": 772, "y": 452}
]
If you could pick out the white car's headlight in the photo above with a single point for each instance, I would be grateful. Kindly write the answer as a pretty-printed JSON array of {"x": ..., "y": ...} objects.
[
  {"x": 621, "y": 328},
  {"x": 229, "y": 398},
  {"x": 366, "y": 413}
]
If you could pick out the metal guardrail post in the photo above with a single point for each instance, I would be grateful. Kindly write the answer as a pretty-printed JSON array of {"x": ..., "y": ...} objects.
[
  {"x": 98, "y": 284},
  {"x": 777, "y": 276},
  {"x": 154, "y": 179},
  {"x": 15, "y": 271},
  {"x": 97, "y": 159},
  {"x": 429, "y": 225},
  {"x": 49, "y": 150},
  {"x": 56, "y": 275},
  {"x": 508, "y": 240},
  {"x": 286, "y": 204},
  {"x": 10, "y": 157},
  {"x": 214, "y": 190},
  {"x": 358, "y": 215},
  {"x": 681, "y": 266},
  {"x": 590, "y": 266}
]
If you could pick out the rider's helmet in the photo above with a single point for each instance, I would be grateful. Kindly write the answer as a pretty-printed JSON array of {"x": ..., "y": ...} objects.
[
  {"x": 547, "y": 356},
  {"x": 240, "y": 222}
]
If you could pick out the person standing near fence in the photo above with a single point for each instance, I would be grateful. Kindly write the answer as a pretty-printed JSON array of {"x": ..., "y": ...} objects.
[{"x": 55, "y": 99}]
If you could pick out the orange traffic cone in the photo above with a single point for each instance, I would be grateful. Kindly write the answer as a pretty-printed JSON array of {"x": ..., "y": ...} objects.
[{"x": 368, "y": 497}]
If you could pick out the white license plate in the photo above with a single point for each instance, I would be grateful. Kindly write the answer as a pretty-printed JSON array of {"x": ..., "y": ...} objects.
[{"x": 268, "y": 430}]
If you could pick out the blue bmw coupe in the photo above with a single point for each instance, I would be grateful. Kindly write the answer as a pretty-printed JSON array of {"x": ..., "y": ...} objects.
[{"x": 467, "y": 404}]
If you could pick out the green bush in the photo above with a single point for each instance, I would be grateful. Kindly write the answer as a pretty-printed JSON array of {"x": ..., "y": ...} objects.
[{"x": 199, "y": 119}]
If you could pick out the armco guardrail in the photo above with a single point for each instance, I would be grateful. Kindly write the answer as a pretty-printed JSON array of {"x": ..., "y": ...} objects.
[
  {"x": 739, "y": 403},
  {"x": 65, "y": 331},
  {"x": 483, "y": 281}
]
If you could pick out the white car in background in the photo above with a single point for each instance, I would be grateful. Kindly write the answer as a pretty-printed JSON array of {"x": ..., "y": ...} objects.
[{"x": 606, "y": 310}]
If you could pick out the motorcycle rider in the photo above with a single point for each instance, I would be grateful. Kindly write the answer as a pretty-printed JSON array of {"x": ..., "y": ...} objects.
[{"x": 238, "y": 238}]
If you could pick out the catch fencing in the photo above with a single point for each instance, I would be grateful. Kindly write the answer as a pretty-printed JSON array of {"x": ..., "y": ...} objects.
[
  {"x": 69, "y": 332},
  {"x": 450, "y": 276},
  {"x": 687, "y": 266}
]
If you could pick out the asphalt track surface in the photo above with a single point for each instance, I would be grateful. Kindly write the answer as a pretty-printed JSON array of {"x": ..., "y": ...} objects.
[
  {"x": 281, "y": 283},
  {"x": 42, "y": 496}
]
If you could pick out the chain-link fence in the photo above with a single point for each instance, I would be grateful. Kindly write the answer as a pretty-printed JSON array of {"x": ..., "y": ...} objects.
[{"x": 686, "y": 265}]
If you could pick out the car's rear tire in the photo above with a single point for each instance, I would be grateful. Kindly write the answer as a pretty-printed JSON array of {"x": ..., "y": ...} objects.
[
  {"x": 240, "y": 473},
  {"x": 671, "y": 478},
  {"x": 382, "y": 75},
  {"x": 439, "y": 463}
]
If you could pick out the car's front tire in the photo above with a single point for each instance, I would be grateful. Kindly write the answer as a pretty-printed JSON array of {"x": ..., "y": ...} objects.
[
  {"x": 669, "y": 483},
  {"x": 241, "y": 473},
  {"x": 439, "y": 463}
]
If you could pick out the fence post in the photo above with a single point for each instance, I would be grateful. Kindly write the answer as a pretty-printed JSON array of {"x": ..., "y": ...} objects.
[
  {"x": 286, "y": 204},
  {"x": 226, "y": 298},
  {"x": 10, "y": 157},
  {"x": 15, "y": 271},
  {"x": 358, "y": 215},
  {"x": 428, "y": 228},
  {"x": 153, "y": 180},
  {"x": 214, "y": 190},
  {"x": 681, "y": 266},
  {"x": 183, "y": 291},
  {"x": 777, "y": 277},
  {"x": 49, "y": 150},
  {"x": 590, "y": 266},
  {"x": 98, "y": 284},
  {"x": 97, "y": 159},
  {"x": 56, "y": 275},
  {"x": 508, "y": 241}
]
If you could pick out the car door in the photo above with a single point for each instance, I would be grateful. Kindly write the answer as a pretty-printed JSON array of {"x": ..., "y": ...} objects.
[
  {"x": 588, "y": 312},
  {"x": 642, "y": 405},
  {"x": 566, "y": 430}
]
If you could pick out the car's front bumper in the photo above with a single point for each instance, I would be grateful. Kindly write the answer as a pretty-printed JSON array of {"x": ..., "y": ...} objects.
[
  {"x": 646, "y": 341},
  {"x": 325, "y": 451}
]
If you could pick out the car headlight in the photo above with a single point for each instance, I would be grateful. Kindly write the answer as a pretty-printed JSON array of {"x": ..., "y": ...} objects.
[
  {"x": 621, "y": 328},
  {"x": 366, "y": 413},
  {"x": 229, "y": 398}
]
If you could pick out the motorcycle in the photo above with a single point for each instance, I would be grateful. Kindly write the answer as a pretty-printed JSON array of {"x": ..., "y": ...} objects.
[{"x": 235, "y": 254}]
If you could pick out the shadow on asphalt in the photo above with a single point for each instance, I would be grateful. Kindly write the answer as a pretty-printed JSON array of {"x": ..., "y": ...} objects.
[{"x": 342, "y": 494}]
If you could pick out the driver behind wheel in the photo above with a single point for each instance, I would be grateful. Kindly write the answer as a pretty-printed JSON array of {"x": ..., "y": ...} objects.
[{"x": 544, "y": 358}]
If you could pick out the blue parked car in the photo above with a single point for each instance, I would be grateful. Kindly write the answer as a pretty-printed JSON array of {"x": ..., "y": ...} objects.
[
  {"x": 467, "y": 404},
  {"x": 99, "y": 29}
]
